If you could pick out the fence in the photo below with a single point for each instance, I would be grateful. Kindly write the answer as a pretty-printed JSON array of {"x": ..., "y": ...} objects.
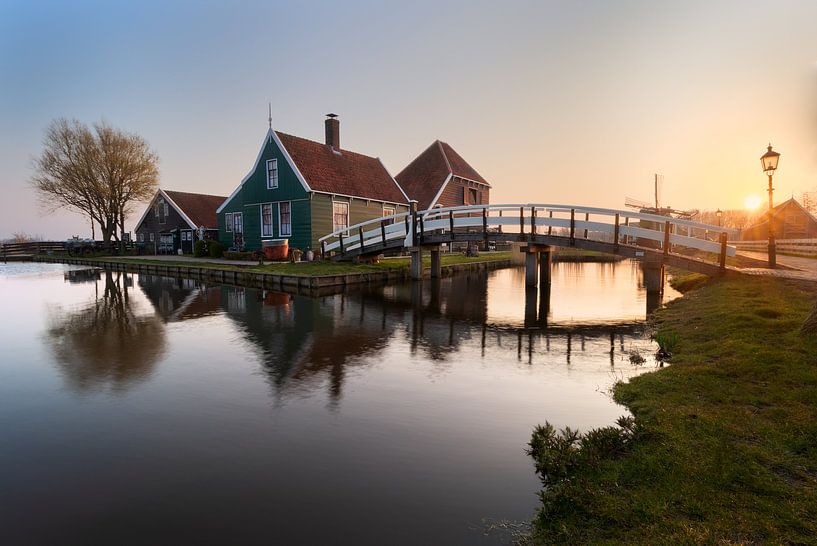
[{"x": 806, "y": 247}]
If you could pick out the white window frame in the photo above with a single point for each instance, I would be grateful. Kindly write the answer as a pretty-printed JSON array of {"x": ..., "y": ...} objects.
[
  {"x": 336, "y": 227},
  {"x": 272, "y": 174},
  {"x": 228, "y": 222},
  {"x": 264, "y": 231},
  {"x": 288, "y": 231},
  {"x": 387, "y": 209},
  {"x": 240, "y": 216},
  {"x": 140, "y": 237},
  {"x": 152, "y": 238}
]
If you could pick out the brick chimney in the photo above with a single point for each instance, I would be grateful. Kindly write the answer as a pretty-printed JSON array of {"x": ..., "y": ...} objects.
[{"x": 332, "y": 131}]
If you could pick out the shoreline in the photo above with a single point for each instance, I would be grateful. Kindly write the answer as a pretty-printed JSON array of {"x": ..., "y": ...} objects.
[{"x": 722, "y": 443}]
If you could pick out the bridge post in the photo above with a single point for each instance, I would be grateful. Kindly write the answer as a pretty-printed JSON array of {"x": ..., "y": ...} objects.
[
  {"x": 530, "y": 266},
  {"x": 416, "y": 263},
  {"x": 653, "y": 270},
  {"x": 436, "y": 265},
  {"x": 545, "y": 259}
]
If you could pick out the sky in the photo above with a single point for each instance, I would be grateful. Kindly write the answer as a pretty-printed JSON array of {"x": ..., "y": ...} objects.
[{"x": 574, "y": 102}]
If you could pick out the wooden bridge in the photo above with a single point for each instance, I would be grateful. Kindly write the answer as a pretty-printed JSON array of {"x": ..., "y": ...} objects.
[{"x": 655, "y": 240}]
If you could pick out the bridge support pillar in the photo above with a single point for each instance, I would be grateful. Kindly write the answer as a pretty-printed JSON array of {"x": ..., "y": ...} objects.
[
  {"x": 537, "y": 257},
  {"x": 416, "y": 263},
  {"x": 653, "y": 276},
  {"x": 545, "y": 259},
  {"x": 530, "y": 268},
  {"x": 436, "y": 264}
]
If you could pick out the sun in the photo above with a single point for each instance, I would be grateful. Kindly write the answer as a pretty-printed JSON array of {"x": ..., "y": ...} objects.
[{"x": 752, "y": 202}]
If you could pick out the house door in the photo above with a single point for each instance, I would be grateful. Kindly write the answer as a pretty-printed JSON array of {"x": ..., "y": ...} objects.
[
  {"x": 238, "y": 230},
  {"x": 187, "y": 241}
]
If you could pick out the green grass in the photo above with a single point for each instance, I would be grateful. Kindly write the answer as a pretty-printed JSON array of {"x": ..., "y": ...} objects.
[
  {"x": 312, "y": 269},
  {"x": 724, "y": 445},
  {"x": 684, "y": 281}
]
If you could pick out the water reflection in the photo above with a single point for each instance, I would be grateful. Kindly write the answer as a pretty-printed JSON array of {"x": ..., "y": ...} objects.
[{"x": 105, "y": 343}]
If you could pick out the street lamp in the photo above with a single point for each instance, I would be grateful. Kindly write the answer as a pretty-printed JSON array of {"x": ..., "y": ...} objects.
[
  {"x": 769, "y": 162},
  {"x": 719, "y": 214}
]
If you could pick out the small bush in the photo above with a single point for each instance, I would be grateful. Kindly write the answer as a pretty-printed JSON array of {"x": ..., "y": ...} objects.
[
  {"x": 567, "y": 462},
  {"x": 216, "y": 249},
  {"x": 200, "y": 249}
]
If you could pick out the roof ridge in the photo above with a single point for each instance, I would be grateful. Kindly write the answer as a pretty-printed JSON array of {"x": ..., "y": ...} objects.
[
  {"x": 319, "y": 143},
  {"x": 445, "y": 157}
]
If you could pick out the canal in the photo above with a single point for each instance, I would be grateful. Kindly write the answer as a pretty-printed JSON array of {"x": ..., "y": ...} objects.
[{"x": 142, "y": 409}]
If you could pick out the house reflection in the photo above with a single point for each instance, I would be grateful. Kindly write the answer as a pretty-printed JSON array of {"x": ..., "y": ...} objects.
[{"x": 106, "y": 344}]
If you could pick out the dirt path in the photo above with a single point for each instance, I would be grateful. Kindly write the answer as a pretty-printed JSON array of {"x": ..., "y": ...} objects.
[{"x": 802, "y": 268}]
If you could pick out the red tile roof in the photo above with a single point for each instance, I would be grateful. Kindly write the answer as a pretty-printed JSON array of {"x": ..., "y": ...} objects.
[
  {"x": 423, "y": 177},
  {"x": 200, "y": 208},
  {"x": 341, "y": 172}
]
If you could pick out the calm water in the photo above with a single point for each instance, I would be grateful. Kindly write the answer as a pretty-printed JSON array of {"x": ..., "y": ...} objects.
[{"x": 139, "y": 409}]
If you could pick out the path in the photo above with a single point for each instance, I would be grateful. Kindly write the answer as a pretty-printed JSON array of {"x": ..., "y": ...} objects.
[{"x": 802, "y": 268}]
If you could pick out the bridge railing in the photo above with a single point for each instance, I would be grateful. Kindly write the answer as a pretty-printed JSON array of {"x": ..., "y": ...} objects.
[
  {"x": 368, "y": 233},
  {"x": 574, "y": 222}
]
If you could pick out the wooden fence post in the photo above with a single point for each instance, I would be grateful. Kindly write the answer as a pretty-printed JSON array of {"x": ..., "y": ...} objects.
[
  {"x": 723, "y": 251},
  {"x": 572, "y": 227},
  {"x": 360, "y": 233},
  {"x": 383, "y": 231},
  {"x": 340, "y": 237},
  {"x": 522, "y": 220},
  {"x": 667, "y": 228},
  {"x": 550, "y": 228},
  {"x": 485, "y": 225},
  {"x": 586, "y": 219}
]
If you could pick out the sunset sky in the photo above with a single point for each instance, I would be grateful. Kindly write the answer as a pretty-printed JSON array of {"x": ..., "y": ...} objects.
[{"x": 565, "y": 102}]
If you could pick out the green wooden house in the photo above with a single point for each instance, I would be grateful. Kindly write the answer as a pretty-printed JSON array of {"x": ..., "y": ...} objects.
[{"x": 301, "y": 190}]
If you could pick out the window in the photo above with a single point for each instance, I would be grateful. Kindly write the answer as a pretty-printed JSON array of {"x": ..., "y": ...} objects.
[
  {"x": 272, "y": 174},
  {"x": 238, "y": 222},
  {"x": 340, "y": 215},
  {"x": 266, "y": 220},
  {"x": 141, "y": 237},
  {"x": 152, "y": 238},
  {"x": 388, "y": 211},
  {"x": 228, "y": 222},
  {"x": 285, "y": 219},
  {"x": 474, "y": 197},
  {"x": 464, "y": 200},
  {"x": 161, "y": 211}
]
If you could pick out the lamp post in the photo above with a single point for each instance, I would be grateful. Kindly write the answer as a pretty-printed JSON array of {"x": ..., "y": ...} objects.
[
  {"x": 719, "y": 214},
  {"x": 769, "y": 162}
]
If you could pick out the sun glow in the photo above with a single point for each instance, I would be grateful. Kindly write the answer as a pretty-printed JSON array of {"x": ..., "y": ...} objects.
[{"x": 752, "y": 202}]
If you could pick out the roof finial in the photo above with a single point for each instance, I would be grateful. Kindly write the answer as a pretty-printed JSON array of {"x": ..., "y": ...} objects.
[{"x": 270, "y": 115}]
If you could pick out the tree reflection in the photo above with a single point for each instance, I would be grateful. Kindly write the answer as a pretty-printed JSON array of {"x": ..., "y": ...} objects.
[{"x": 105, "y": 344}]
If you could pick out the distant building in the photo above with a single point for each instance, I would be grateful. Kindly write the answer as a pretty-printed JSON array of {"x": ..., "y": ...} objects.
[
  {"x": 175, "y": 220},
  {"x": 301, "y": 190},
  {"x": 440, "y": 177},
  {"x": 791, "y": 221}
]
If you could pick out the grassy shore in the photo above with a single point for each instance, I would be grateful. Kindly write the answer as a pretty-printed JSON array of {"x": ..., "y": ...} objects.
[
  {"x": 723, "y": 446},
  {"x": 311, "y": 269}
]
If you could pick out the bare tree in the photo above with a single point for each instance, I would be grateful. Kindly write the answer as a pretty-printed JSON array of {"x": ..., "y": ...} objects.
[{"x": 98, "y": 171}]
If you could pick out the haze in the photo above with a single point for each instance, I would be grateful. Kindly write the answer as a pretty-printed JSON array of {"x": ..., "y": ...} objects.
[{"x": 570, "y": 102}]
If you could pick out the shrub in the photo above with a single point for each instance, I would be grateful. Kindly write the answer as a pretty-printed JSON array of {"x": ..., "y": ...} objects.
[
  {"x": 216, "y": 249},
  {"x": 200, "y": 249}
]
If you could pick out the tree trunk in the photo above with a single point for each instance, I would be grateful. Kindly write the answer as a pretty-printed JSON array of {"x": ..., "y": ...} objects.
[{"x": 810, "y": 326}]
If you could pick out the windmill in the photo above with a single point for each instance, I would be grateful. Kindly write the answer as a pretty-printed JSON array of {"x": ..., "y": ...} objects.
[{"x": 656, "y": 208}]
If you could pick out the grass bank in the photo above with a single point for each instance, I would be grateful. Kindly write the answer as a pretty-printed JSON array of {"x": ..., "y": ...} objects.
[
  {"x": 308, "y": 269},
  {"x": 723, "y": 445}
]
